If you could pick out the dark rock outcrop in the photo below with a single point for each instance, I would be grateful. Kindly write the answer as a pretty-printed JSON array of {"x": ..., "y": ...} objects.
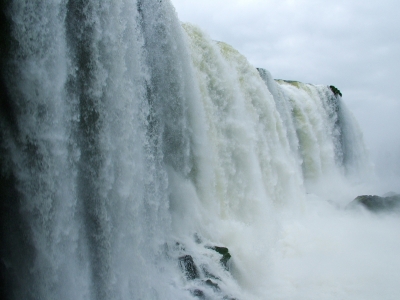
[
  {"x": 198, "y": 293},
  {"x": 225, "y": 255},
  {"x": 203, "y": 284},
  {"x": 188, "y": 267},
  {"x": 335, "y": 90},
  {"x": 378, "y": 204}
]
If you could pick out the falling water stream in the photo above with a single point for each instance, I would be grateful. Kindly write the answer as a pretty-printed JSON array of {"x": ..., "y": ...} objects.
[{"x": 133, "y": 146}]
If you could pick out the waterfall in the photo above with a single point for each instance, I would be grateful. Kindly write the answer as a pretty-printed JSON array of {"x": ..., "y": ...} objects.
[{"x": 130, "y": 143}]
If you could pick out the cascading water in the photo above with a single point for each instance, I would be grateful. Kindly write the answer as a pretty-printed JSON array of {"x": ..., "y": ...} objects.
[
  {"x": 131, "y": 147},
  {"x": 84, "y": 148}
]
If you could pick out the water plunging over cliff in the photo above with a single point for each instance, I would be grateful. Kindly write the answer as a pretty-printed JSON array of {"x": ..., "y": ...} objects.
[{"x": 130, "y": 143}]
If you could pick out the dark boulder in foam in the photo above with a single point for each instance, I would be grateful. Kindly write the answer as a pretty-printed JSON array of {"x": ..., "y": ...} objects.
[
  {"x": 378, "y": 204},
  {"x": 188, "y": 267},
  {"x": 226, "y": 256}
]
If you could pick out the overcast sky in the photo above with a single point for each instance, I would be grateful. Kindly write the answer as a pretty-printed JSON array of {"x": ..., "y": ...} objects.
[{"x": 352, "y": 44}]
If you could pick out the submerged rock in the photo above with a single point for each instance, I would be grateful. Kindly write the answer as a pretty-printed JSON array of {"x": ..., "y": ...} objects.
[
  {"x": 208, "y": 274},
  {"x": 188, "y": 267},
  {"x": 378, "y": 204},
  {"x": 212, "y": 284},
  {"x": 198, "y": 293},
  {"x": 197, "y": 238}
]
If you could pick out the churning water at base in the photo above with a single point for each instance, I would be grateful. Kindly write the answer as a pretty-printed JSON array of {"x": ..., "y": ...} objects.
[{"x": 135, "y": 149}]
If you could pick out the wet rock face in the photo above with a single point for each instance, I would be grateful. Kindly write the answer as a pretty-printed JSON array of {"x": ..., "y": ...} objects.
[
  {"x": 201, "y": 281},
  {"x": 225, "y": 255},
  {"x": 188, "y": 267},
  {"x": 378, "y": 204},
  {"x": 198, "y": 293}
]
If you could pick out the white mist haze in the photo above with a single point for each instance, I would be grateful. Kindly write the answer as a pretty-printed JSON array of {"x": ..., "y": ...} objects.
[{"x": 326, "y": 253}]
